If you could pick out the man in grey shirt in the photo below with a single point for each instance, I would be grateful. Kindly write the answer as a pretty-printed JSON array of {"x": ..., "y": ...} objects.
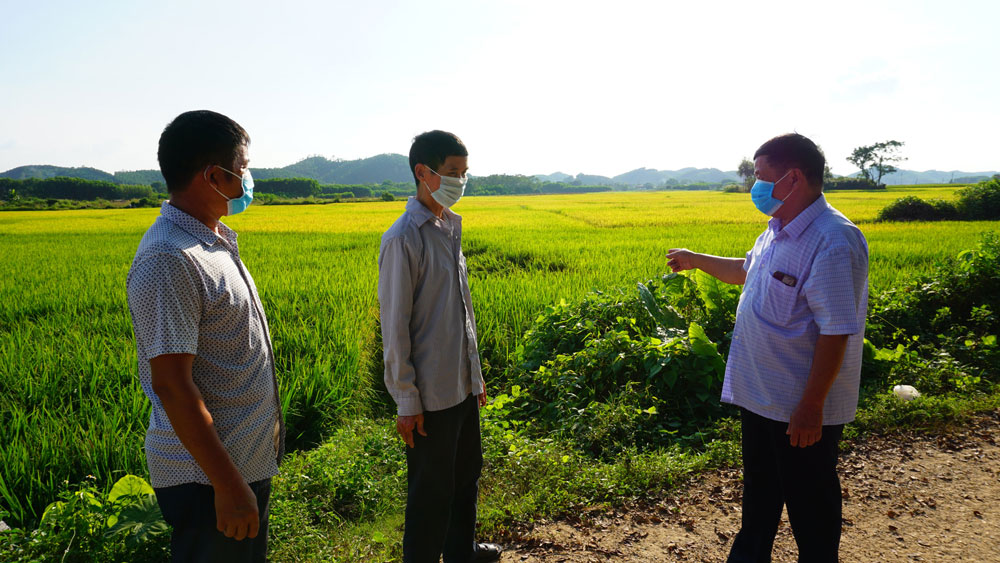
[
  {"x": 204, "y": 350},
  {"x": 432, "y": 367}
]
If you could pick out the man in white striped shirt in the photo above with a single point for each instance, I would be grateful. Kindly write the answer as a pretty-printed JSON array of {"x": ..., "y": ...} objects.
[{"x": 795, "y": 361}]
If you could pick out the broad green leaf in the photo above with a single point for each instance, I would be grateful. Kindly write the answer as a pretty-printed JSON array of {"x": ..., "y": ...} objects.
[
  {"x": 129, "y": 485},
  {"x": 709, "y": 290},
  {"x": 140, "y": 522},
  {"x": 664, "y": 317}
]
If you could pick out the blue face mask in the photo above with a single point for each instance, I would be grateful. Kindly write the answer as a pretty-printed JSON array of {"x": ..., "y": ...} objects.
[
  {"x": 762, "y": 194},
  {"x": 237, "y": 205}
]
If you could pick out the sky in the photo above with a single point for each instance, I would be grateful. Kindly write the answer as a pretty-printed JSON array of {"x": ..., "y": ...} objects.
[{"x": 531, "y": 86}]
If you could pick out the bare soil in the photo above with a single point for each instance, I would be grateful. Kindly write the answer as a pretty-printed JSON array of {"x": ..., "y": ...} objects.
[{"x": 906, "y": 498}]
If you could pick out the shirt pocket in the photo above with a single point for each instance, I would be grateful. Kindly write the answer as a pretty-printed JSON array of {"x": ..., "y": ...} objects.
[{"x": 778, "y": 301}]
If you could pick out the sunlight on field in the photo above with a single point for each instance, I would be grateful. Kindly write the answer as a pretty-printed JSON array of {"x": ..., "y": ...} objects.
[{"x": 69, "y": 398}]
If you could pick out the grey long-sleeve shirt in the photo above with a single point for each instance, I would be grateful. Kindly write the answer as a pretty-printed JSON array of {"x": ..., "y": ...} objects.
[{"x": 428, "y": 327}]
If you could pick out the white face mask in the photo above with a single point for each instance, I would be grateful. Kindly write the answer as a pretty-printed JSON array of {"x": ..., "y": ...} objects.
[{"x": 450, "y": 191}]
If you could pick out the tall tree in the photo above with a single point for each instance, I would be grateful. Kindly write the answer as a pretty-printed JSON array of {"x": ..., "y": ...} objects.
[
  {"x": 875, "y": 161},
  {"x": 745, "y": 171}
]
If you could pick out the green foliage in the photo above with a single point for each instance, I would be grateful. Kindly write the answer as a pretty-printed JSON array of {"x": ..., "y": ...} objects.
[
  {"x": 530, "y": 477},
  {"x": 877, "y": 160},
  {"x": 387, "y": 196},
  {"x": 980, "y": 202},
  {"x": 912, "y": 208},
  {"x": 342, "y": 500},
  {"x": 746, "y": 172},
  {"x": 506, "y": 184},
  {"x": 939, "y": 332},
  {"x": 287, "y": 187},
  {"x": 615, "y": 372},
  {"x": 74, "y": 188},
  {"x": 356, "y": 475},
  {"x": 850, "y": 184},
  {"x": 85, "y": 526}
]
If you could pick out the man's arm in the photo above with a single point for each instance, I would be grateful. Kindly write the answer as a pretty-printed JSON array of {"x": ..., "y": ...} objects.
[
  {"x": 728, "y": 270},
  {"x": 395, "y": 295},
  {"x": 806, "y": 424},
  {"x": 236, "y": 513}
]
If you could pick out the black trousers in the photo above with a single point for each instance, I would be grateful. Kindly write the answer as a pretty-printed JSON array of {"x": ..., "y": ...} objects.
[
  {"x": 190, "y": 510},
  {"x": 804, "y": 480},
  {"x": 443, "y": 471}
]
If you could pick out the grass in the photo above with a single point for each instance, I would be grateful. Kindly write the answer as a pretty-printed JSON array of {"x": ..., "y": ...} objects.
[{"x": 70, "y": 403}]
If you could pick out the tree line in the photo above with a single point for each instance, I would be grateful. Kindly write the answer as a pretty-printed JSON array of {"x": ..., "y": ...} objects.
[
  {"x": 62, "y": 187},
  {"x": 873, "y": 161}
]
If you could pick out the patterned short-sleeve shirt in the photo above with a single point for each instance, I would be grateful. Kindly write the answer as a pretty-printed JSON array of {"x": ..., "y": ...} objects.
[
  {"x": 805, "y": 279},
  {"x": 189, "y": 293}
]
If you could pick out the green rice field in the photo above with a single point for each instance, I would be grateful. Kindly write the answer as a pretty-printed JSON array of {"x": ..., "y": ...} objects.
[{"x": 70, "y": 401}]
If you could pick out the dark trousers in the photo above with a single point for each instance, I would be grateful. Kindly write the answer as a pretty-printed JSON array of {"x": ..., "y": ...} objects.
[
  {"x": 443, "y": 471},
  {"x": 190, "y": 510},
  {"x": 804, "y": 480}
]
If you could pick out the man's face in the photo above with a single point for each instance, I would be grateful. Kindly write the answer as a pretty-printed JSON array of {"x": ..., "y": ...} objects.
[
  {"x": 453, "y": 166},
  {"x": 763, "y": 170},
  {"x": 232, "y": 185}
]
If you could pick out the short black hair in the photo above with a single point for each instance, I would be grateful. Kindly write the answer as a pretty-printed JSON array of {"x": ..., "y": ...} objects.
[
  {"x": 432, "y": 148},
  {"x": 194, "y": 140},
  {"x": 795, "y": 151}
]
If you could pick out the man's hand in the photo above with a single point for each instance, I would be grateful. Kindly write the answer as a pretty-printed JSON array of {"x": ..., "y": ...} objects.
[
  {"x": 405, "y": 425},
  {"x": 482, "y": 399},
  {"x": 680, "y": 259},
  {"x": 236, "y": 513},
  {"x": 806, "y": 425}
]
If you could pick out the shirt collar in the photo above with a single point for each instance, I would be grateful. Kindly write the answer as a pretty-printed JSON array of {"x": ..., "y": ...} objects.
[
  {"x": 195, "y": 227},
  {"x": 421, "y": 214},
  {"x": 801, "y": 222}
]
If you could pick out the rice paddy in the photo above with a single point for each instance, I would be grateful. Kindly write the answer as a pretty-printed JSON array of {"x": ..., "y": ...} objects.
[{"x": 70, "y": 402}]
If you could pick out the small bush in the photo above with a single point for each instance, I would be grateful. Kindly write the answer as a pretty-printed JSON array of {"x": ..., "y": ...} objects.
[
  {"x": 851, "y": 184},
  {"x": 980, "y": 202},
  {"x": 912, "y": 208}
]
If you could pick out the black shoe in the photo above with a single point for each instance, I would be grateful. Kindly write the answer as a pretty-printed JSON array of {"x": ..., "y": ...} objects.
[{"x": 487, "y": 552}]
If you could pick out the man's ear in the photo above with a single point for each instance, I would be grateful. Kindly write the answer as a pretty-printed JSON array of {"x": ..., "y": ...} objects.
[
  {"x": 798, "y": 178},
  {"x": 210, "y": 174}
]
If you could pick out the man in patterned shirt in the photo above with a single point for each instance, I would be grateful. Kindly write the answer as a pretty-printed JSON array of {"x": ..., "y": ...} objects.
[
  {"x": 205, "y": 360},
  {"x": 795, "y": 361}
]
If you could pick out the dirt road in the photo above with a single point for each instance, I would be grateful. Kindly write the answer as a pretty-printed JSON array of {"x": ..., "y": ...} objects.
[{"x": 906, "y": 498}]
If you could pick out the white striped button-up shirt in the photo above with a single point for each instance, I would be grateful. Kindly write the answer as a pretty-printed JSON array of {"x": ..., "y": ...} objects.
[
  {"x": 805, "y": 279},
  {"x": 428, "y": 326}
]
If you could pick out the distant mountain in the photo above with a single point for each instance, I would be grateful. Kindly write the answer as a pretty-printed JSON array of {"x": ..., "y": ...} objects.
[
  {"x": 642, "y": 176},
  {"x": 934, "y": 177},
  {"x": 43, "y": 171},
  {"x": 554, "y": 177},
  {"x": 396, "y": 168},
  {"x": 593, "y": 180},
  {"x": 372, "y": 170}
]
